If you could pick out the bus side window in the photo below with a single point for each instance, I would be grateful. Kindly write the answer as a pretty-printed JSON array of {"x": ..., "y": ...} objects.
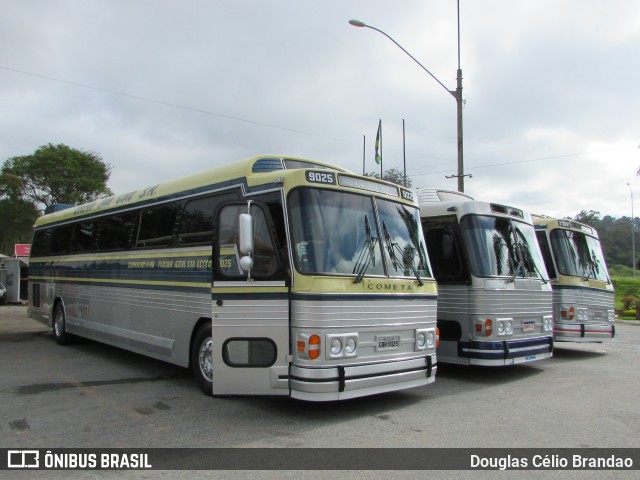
[
  {"x": 41, "y": 246},
  {"x": 265, "y": 262},
  {"x": 196, "y": 223},
  {"x": 61, "y": 240},
  {"x": 84, "y": 238},
  {"x": 543, "y": 241},
  {"x": 116, "y": 233},
  {"x": 157, "y": 226}
]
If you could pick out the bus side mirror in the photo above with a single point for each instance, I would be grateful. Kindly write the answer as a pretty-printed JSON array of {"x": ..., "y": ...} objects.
[{"x": 245, "y": 224}]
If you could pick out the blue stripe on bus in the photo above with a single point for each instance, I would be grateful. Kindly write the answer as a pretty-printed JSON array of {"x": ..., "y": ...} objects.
[{"x": 499, "y": 350}]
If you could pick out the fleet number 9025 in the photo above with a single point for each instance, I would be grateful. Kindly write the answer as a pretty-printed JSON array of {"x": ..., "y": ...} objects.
[{"x": 321, "y": 177}]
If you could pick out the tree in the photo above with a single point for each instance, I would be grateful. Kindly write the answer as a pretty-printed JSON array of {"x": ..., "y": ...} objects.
[
  {"x": 53, "y": 174},
  {"x": 392, "y": 175},
  {"x": 16, "y": 217},
  {"x": 58, "y": 174}
]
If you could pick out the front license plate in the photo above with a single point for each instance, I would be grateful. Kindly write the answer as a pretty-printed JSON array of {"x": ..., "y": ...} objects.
[
  {"x": 528, "y": 326},
  {"x": 387, "y": 342}
]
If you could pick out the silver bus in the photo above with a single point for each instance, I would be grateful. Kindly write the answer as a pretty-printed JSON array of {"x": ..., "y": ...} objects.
[
  {"x": 583, "y": 295},
  {"x": 494, "y": 298},
  {"x": 277, "y": 276}
]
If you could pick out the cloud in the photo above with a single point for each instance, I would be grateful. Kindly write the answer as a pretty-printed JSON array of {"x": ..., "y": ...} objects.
[{"x": 162, "y": 89}]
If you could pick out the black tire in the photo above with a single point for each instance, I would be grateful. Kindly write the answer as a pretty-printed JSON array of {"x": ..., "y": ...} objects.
[
  {"x": 60, "y": 327},
  {"x": 201, "y": 359}
]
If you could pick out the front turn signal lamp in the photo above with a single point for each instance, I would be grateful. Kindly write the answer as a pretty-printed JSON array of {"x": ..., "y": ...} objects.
[
  {"x": 567, "y": 313},
  {"x": 484, "y": 327},
  {"x": 308, "y": 346}
]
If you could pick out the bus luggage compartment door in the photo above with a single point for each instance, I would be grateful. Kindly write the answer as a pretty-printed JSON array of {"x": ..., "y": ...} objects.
[{"x": 250, "y": 330}]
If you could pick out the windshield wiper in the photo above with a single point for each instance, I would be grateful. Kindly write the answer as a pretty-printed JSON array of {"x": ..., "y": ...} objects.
[
  {"x": 367, "y": 254},
  {"x": 523, "y": 250},
  {"x": 392, "y": 247}
]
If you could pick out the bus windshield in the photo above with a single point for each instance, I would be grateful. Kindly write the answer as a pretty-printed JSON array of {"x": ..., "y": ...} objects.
[
  {"x": 344, "y": 234},
  {"x": 500, "y": 247},
  {"x": 578, "y": 254}
]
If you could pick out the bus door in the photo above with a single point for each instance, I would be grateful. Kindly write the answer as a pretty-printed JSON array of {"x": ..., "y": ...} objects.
[{"x": 250, "y": 306}]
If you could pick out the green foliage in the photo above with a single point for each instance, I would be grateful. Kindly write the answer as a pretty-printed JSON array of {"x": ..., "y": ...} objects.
[
  {"x": 392, "y": 175},
  {"x": 625, "y": 287},
  {"x": 620, "y": 271},
  {"x": 629, "y": 314},
  {"x": 628, "y": 301},
  {"x": 615, "y": 236},
  {"x": 52, "y": 174},
  {"x": 57, "y": 174},
  {"x": 16, "y": 219}
]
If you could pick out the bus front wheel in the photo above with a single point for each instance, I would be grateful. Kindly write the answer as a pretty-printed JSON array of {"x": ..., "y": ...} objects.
[
  {"x": 202, "y": 358},
  {"x": 60, "y": 327}
]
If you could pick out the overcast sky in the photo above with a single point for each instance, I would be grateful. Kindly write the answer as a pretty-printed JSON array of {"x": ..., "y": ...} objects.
[{"x": 162, "y": 89}]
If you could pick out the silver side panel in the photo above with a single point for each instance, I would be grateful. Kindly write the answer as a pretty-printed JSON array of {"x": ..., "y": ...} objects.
[{"x": 157, "y": 323}]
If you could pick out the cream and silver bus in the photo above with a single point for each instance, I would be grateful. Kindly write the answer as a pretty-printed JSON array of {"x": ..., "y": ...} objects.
[
  {"x": 273, "y": 275},
  {"x": 494, "y": 298},
  {"x": 583, "y": 296}
]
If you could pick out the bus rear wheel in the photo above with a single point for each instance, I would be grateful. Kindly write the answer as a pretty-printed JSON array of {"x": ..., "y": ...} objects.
[
  {"x": 60, "y": 326},
  {"x": 202, "y": 358}
]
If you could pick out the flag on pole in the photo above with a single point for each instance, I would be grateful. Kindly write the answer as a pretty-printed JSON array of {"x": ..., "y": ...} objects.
[{"x": 378, "y": 141}]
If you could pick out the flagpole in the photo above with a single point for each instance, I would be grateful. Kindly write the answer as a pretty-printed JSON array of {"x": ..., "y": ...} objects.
[
  {"x": 404, "y": 155},
  {"x": 364, "y": 151},
  {"x": 380, "y": 148}
]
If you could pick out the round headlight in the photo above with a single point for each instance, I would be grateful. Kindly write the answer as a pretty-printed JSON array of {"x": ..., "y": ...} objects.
[
  {"x": 422, "y": 340},
  {"x": 431, "y": 339},
  {"x": 509, "y": 328},
  {"x": 500, "y": 328},
  {"x": 350, "y": 346},
  {"x": 336, "y": 346}
]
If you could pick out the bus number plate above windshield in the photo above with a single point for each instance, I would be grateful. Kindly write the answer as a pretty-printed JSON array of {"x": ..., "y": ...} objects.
[
  {"x": 388, "y": 342},
  {"x": 327, "y": 178}
]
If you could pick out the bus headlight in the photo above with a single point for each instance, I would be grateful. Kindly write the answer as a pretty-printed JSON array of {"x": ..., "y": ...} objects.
[
  {"x": 509, "y": 327},
  {"x": 547, "y": 323},
  {"x": 431, "y": 339},
  {"x": 344, "y": 345},
  {"x": 582, "y": 315},
  {"x": 350, "y": 347},
  {"x": 611, "y": 315},
  {"x": 505, "y": 327},
  {"x": 336, "y": 347},
  {"x": 425, "y": 339}
]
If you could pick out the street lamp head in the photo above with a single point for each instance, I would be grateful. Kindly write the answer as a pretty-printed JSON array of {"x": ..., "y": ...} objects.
[{"x": 357, "y": 23}]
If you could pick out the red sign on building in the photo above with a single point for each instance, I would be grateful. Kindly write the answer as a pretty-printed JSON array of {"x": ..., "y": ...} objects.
[{"x": 22, "y": 249}]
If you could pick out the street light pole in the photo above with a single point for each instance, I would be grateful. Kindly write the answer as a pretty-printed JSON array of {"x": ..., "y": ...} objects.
[
  {"x": 633, "y": 234},
  {"x": 457, "y": 93}
]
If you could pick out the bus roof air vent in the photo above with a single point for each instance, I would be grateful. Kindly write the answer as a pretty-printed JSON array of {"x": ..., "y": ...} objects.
[
  {"x": 267, "y": 165},
  {"x": 433, "y": 195}
]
